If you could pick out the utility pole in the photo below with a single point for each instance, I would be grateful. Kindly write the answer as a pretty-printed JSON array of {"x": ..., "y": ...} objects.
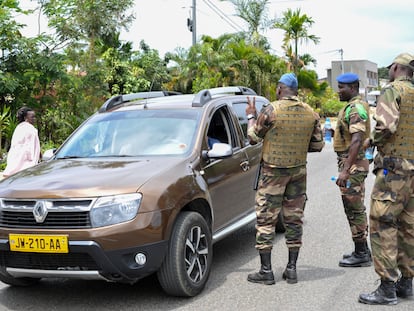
[
  {"x": 342, "y": 59},
  {"x": 192, "y": 23},
  {"x": 340, "y": 51}
]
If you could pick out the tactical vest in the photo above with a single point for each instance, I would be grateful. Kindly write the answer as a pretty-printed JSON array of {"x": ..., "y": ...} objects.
[
  {"x": 342, "y": 137},
  {"x": 401, "y": 144},
  {"x": 286, "y": 143}
]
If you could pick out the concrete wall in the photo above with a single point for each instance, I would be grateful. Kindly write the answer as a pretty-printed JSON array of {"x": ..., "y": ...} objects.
[{"x": 366, "y": 70}]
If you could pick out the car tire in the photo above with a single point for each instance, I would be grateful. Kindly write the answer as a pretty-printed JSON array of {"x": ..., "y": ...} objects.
[
  {"x": 187, "y": 265},
  {"x": 280, "y": 225},
  {"x": 23, "y": 282}
]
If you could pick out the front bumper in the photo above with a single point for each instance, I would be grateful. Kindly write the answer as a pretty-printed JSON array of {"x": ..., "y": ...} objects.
[{"x": 85, "y": 260}]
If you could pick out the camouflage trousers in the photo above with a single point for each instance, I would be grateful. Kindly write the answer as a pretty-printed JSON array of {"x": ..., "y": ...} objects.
[
  {"x": 392, "y": 225},
  {"x": 280, "y": 190},
  {"x": 353, "y": 201}
]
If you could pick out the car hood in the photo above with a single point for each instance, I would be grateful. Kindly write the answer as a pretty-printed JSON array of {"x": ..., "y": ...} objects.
[{"x": 77, "y": 178}]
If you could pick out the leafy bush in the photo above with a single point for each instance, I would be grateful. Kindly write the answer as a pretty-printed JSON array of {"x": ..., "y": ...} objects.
[
  {"x": 327, "y": 103},
  {"x": 331, "y": 107},
  {"x": 3, "y": 161}
]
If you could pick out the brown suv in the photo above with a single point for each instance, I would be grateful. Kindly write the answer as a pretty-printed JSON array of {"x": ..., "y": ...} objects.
[{"x": 147, "y": 184}]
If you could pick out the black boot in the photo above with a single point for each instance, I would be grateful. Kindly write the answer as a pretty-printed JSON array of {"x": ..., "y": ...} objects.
[
  {"x": 265, "y": 274},
  {"x": 290, "y": 274},
  {"x": 344, "y": 256},
  {"x": 404, "y": 287},
  {"x": 360, "y": 258},
  {"x": 385, "y": 294}
]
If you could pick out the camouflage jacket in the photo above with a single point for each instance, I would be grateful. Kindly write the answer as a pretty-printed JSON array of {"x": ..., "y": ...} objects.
[
  {"x": 353, "y": 118},
  {"x": 387, "y": 117}
]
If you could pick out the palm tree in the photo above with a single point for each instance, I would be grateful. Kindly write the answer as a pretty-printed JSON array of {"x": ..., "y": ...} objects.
[
  {"x": 254, "y": 13},
  {"x": 226, "y": 60},
  {"x": 296, "y": 28},
  {"x": 180, "y": 69}
]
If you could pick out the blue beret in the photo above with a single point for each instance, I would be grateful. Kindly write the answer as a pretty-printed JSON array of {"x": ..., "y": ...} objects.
[
  {"x": 348, "y": 77},
  {"x": 289, "y": 79}
]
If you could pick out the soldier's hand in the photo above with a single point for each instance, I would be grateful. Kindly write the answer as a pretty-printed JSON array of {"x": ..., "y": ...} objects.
[
  {"x": 366, "y": 144},
  {"x": 251, "y": 106},
  {"x": 343, "y": 178}
]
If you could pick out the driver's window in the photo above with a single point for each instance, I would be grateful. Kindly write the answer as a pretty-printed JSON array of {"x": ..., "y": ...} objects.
[{"x": 218, "y": 131}]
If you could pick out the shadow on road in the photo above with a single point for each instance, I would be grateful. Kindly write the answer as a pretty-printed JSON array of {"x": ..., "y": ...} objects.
[{"x": 66, "y": 294}]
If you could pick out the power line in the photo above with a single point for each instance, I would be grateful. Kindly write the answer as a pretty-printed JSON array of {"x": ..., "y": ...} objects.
[
  {"x": 222, "y": 15},
  {"x": 341, "y": 52}
]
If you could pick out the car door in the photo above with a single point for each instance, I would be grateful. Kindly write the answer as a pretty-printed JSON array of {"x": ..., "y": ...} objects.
[
  {"x": 230, "y": 180},
  {"x": 252, "y": 152}
]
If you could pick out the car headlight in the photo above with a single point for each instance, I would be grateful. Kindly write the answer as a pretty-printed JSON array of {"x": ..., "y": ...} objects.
[{"x": 115, "y": 209}]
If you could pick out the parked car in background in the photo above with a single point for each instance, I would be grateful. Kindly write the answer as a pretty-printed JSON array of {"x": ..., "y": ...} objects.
[
  {"x": 372, "y": 97},
  {"x": 145, "y": 185}
]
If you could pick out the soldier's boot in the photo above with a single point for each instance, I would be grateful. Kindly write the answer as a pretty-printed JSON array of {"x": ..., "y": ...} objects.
[
  {"x": 360, "y": 258},
  {"x": 385, "y": 294},
  {"x": 350, "y": 254},
  {"x": 290, "y": 274},
  {"x": 265, "y": 274},
  {"x": 404, "y": 287}
]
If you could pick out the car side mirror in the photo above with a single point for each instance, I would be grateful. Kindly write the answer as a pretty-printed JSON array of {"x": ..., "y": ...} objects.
[{"x": 219, "y": 151}]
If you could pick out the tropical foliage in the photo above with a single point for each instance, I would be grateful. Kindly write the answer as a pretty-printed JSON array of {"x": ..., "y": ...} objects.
[
  {"x": 295, "y": 26},
  {"x": 66, "y": 76}
]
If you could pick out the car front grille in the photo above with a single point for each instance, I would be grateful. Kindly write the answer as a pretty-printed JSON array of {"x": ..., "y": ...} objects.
[
  {"x": 68, "y": 214},
  {"x": 70, "y": 261},
  {"x": 53, "y": 220}
]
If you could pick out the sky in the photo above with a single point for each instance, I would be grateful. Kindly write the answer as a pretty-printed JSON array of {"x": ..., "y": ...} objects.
[{"x": 374, "y": 30}]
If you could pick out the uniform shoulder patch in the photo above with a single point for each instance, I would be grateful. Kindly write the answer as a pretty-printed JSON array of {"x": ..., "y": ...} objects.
[{"x": 361, "y": 111}]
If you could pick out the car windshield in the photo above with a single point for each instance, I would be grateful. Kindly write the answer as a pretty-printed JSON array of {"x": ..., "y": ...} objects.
[{"x": 133, "y": 133}]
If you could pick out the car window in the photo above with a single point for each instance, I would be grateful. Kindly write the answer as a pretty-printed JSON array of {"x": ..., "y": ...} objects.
[
  {"x": 221, "y": 129},
  {"x": 134, "y": 133},
  {"x": 240, "y": 109}
]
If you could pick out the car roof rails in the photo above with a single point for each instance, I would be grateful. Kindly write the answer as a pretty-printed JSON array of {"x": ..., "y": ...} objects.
[
  {"x": 121, "y": 99},
  {"x": 206, "y": 95}
]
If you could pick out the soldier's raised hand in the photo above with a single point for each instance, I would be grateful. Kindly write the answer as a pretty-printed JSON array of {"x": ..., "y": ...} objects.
[{"x": 251, "y": 106}]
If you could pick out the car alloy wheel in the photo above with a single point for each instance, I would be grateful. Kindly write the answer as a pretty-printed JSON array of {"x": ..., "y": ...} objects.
[
  {"x": 187, "y": 265},
  {"x": 196, "y": 254}
]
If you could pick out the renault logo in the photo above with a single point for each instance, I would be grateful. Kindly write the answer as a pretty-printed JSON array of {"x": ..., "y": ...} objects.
[{"x": 40, "y": 211}]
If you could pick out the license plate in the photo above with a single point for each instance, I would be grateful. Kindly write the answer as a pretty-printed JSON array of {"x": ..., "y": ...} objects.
[{"x": 38, "y": 243}]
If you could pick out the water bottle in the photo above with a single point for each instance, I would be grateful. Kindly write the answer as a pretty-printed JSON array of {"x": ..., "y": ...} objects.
[
  {"x": 328, "y": 133},
  {"x": 369, "y": 153},
  {"x": 348, "y": 182}
]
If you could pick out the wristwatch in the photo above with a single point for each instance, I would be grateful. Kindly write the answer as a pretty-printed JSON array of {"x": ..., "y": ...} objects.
[{"x": 251, "y": 116}]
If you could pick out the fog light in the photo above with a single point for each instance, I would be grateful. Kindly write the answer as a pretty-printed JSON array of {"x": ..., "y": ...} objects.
[{"x": 140, "y": 259}]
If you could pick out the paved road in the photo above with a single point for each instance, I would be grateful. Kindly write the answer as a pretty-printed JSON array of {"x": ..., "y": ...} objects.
[{"x": 323, "y": 285}]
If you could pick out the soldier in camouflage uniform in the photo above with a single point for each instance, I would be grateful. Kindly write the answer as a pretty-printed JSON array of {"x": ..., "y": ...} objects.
[
  {"x": 392, "y": 198},
  {"x": 352, "y": 128},
  {"x": 289, "y": 129}
]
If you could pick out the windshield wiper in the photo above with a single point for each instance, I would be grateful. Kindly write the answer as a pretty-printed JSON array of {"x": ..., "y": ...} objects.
[
  {"x": 97, "y": 156},
  {"x": 115, "y": 156},
  {"x": 69, "y": 157}
]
